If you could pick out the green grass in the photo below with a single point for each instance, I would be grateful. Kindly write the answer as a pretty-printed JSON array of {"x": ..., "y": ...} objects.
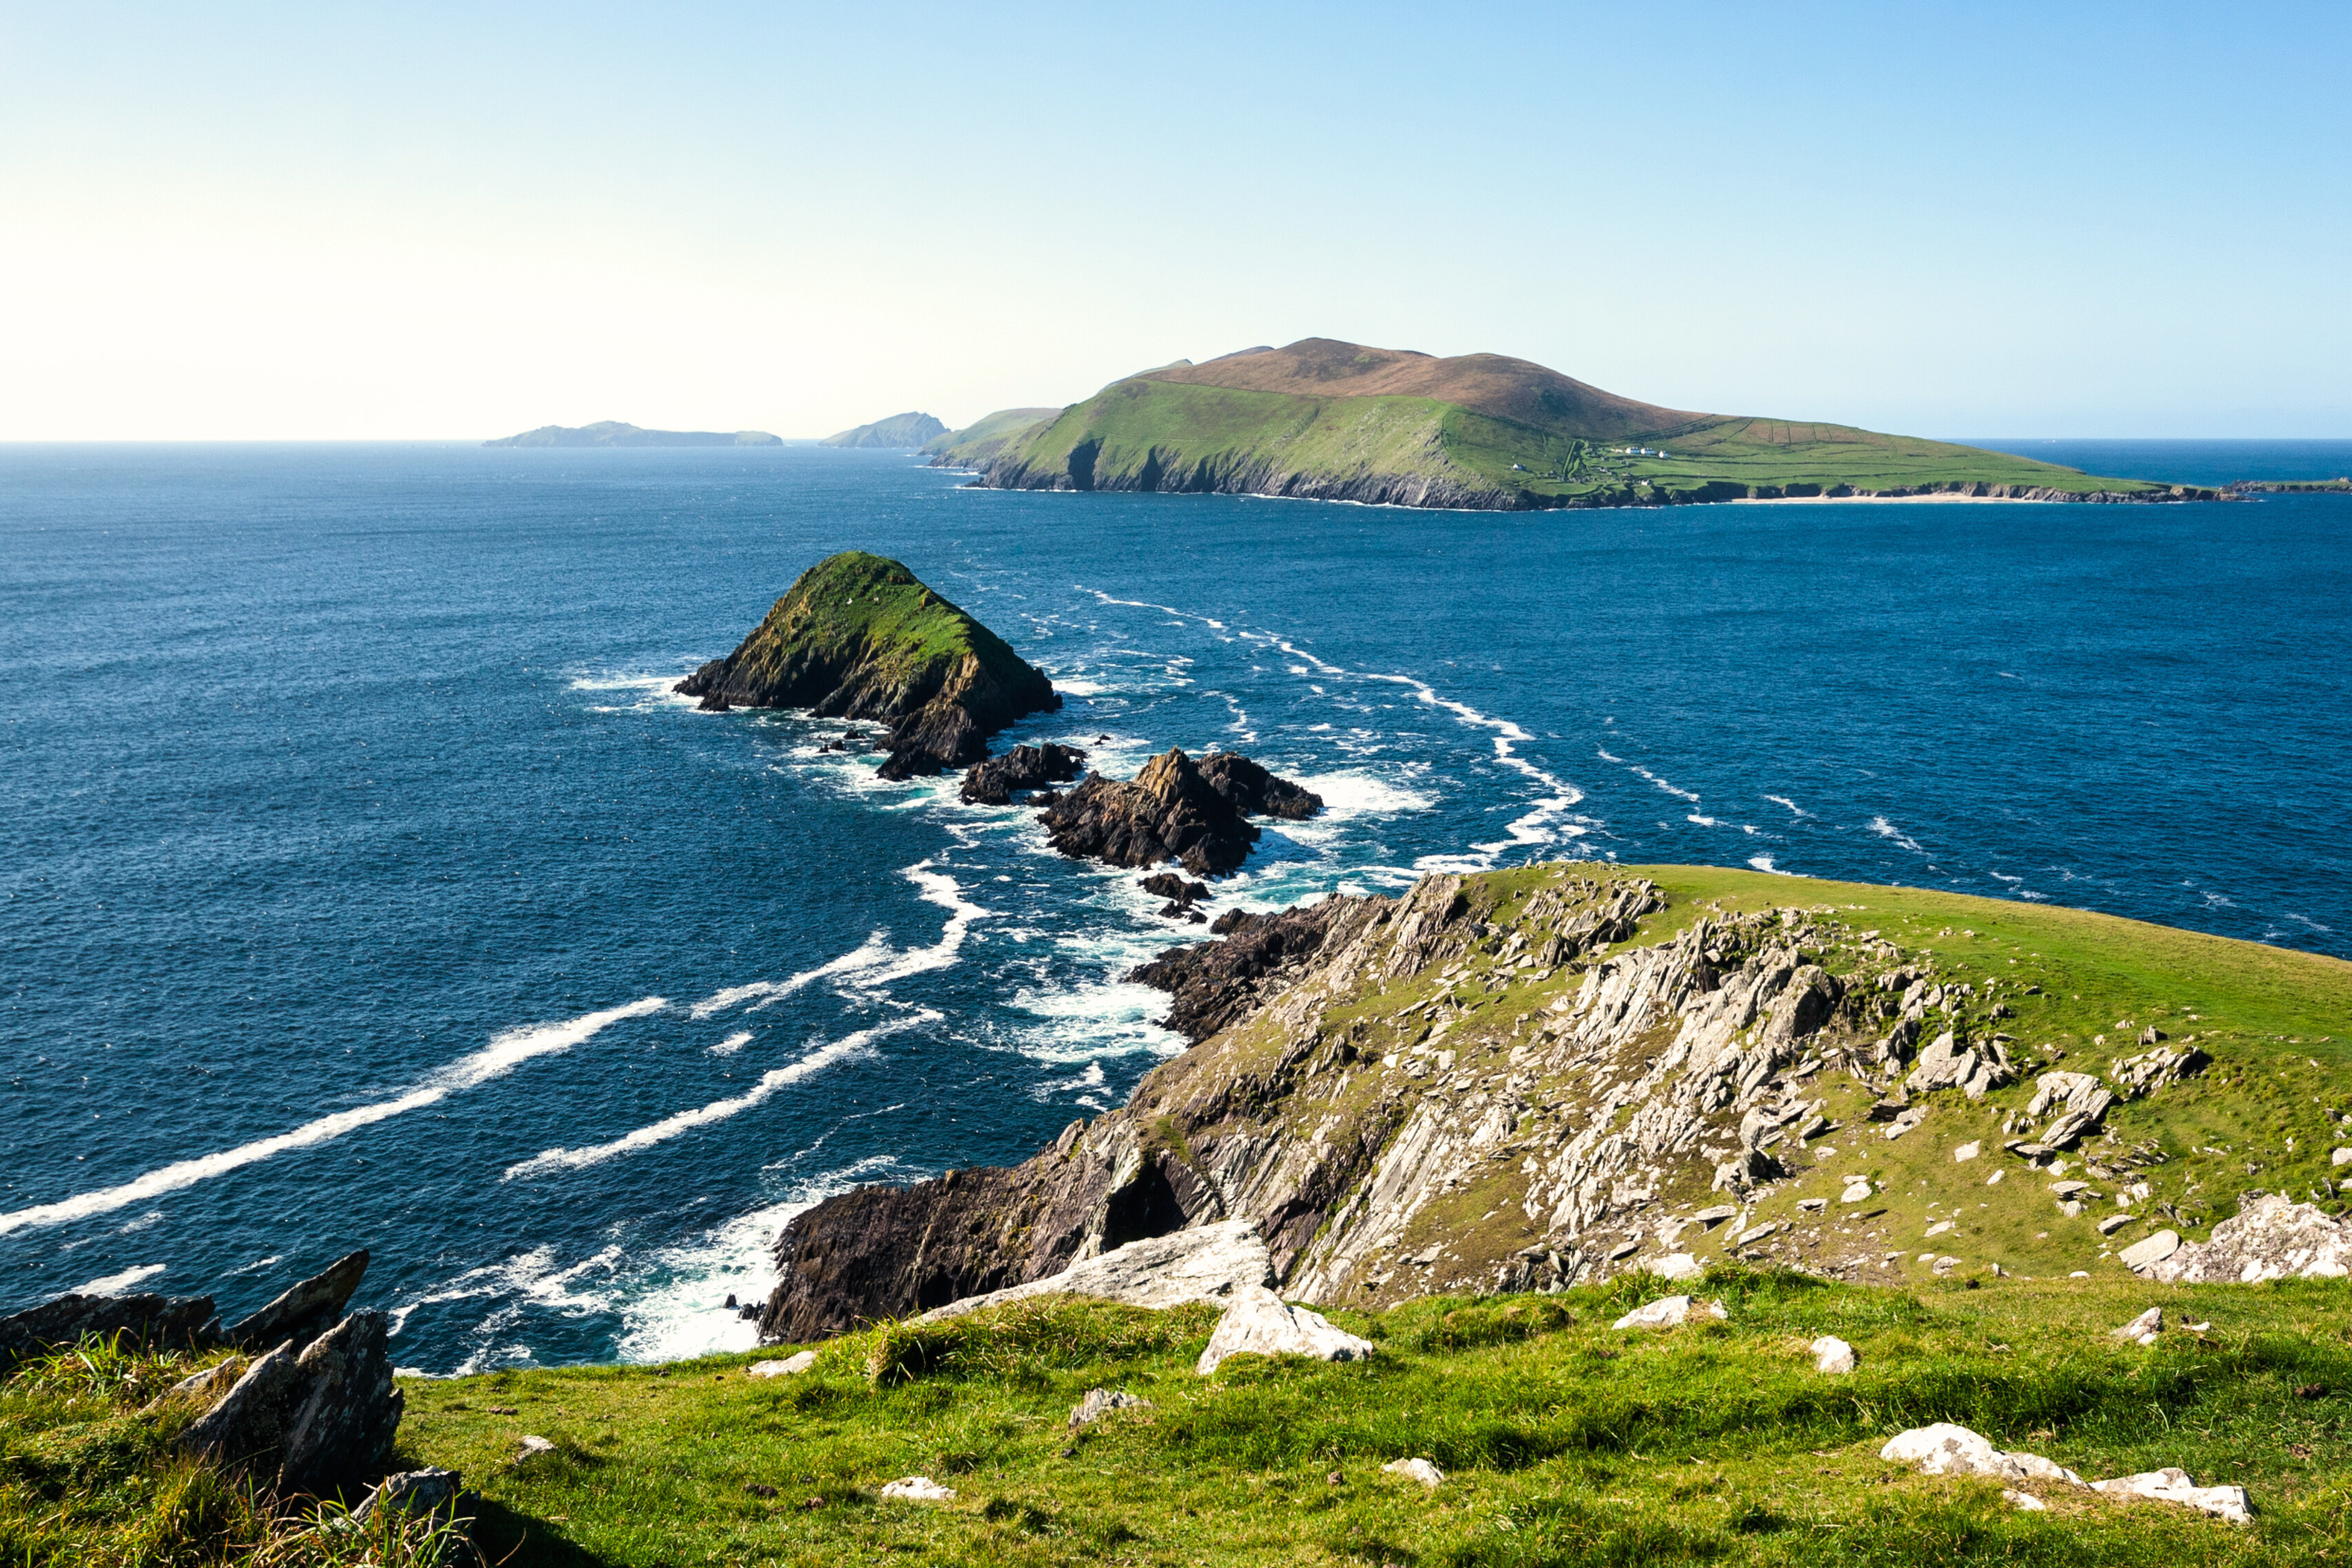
[
  {"x": 867, "y": 611},
  {"x": 1565, "y": 1442},
  {"x": 1148, "y": 435}
]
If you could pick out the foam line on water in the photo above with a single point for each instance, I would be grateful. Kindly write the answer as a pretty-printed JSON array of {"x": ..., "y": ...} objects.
[
  {"x": 115, "y": 1284},
  {"x": 1885, "y": 829},
  {"x": 1794, "y": 808},
  {"x": 943, "y": 889},
  {"x": 815, "y": 1062},
  {"x": 872, "y": 952},
  {"x": 505, "y": 1053},
  {"x": 732, "y": 1043}
]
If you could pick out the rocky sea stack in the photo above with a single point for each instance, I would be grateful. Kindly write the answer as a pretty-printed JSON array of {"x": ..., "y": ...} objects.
[
  {"x": 1194, "y": 813},
  {"x": 859, "y": 636}
]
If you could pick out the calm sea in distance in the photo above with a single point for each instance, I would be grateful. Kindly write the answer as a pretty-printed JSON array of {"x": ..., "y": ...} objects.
[{"x": 361, "y": 884}]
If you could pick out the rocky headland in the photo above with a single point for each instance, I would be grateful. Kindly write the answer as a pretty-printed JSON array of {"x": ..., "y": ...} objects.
[
  {"x": 1525, "y": 1081},
  {"x": 1194, "y": 813},
  {"x": 900, "y": 432},
  {"x": 859, "y": 637}
]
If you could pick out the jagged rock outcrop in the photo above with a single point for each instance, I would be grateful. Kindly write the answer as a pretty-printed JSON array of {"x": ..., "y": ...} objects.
[
  {"x": 1194, "y": 813},
  {"x": 304, "y": 1312},
  {"x": 177, "y": 1323},
  {"x": 859, "y": 637},
  {"x": 996, "y": 781},
  {"x": 2271, "y": 1238},
  {"x": 316, "y": 1423},
  {"x": 1517, "y": 1081}
]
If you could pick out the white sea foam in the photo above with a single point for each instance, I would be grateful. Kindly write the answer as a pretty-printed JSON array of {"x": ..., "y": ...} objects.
[
  {"x": 646, "y": 692},
  {"x": 1782, "y": 800},
  {"x": 1079, "y": 688},
  {"x": 1352, "y": 792},
  {"x": 1703, "y": 822},
  {"x": 505, "y": 1053},
  {"x": 943, "y": 889},
  {"x": 153, "y": 1217},
  {"x": 1673, "y": 789},
  {"x": 732, "y": 1044},
  {"x": 115, "y": 1284},
  {"x": 874, "y": 950},
  {"x": 1885, "y": 829},
  {"x": 1762, "y": 862},
  {"x": 663, "y": 1131}
]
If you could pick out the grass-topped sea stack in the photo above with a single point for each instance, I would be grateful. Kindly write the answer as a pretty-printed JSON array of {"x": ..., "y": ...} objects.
[
  {"x": 1335, "y": 421},
  {"x": 859, "y": 637}
]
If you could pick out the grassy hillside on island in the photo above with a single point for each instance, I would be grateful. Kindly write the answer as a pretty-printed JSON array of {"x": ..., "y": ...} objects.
[
  {"x": 989, "y": 434},
  {"x": 906, "y": 432},
  {"x": 612, "y": 432},
  {"x": 1338, "y": 421},
  {"x": 1563, "y": 1439}
]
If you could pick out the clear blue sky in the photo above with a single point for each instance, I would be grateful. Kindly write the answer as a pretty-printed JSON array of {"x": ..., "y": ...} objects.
[{"x": 427, "y": 220}]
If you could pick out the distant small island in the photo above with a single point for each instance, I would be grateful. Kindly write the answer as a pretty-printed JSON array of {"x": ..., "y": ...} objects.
[
  {"x": 612, "y": 432},
  {"x": 900, "y": 432}
]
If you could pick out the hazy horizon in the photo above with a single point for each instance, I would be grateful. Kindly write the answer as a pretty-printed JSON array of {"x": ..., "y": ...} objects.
[{"x": 281, "y": 224}]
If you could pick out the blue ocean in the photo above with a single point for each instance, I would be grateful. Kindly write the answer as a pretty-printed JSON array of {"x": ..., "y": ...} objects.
[{"x": 363, "y": 884}]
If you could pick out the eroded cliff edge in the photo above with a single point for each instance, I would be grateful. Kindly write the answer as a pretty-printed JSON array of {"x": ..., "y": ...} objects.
[
  {"x": 859, "y": 636},
  {"x": 1525, "y": 1079}
]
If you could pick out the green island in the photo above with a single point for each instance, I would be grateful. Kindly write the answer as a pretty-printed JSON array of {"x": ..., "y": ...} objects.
[
  {"x": 1329, "y": 421},
  {"x": 1557, "y": 1437},
  {"x": 900, "y": 432}
]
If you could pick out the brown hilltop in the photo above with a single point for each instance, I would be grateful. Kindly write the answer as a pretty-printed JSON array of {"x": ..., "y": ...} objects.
[{"x": 1495, "y": 384}]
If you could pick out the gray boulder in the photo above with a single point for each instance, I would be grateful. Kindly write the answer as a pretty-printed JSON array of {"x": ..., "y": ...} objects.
[
  {"x": 1100, "y": 1402},
  {"x": 1210, "y": 1262},
  {"x": 1262, "y": 1323},
  {"x": 318, "y": 1423},
  {"x": 306, "y": 1311},
  {"x": 163, "y": 1323},
  {"x": 438, "y": 1493},
  {"x": 2075, "y": 1101},
  {"x": 2272, "y": 1238},
  {"x": 2135, "y": 1075}
]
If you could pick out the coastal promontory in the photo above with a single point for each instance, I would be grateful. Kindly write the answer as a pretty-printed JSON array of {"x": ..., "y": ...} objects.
[
  {"x": 900, "y": 432},
  {"x": 859, "y": 636}
]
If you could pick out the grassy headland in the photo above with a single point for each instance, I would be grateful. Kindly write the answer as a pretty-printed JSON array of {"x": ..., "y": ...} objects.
[{"x": 1338, "y": 421}]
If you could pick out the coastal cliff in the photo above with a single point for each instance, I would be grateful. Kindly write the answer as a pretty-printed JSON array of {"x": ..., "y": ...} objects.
[
  {"x": 1528, "y": 1079},
  {"x": 859, "y": 636}
]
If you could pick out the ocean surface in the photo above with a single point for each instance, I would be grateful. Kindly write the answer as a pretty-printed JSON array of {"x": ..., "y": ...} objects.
[{"x": 361, "y": 883}]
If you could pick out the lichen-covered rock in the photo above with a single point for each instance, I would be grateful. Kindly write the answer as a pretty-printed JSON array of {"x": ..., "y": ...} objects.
[
  {"x": 1262, "y": 1323},
  {"x": 2173, "y": 1486},
  {"x": 1099, "y": 1403},
  {"x": 304, "y": 1312},
  {"x": 1212, "y": 1262},
  {"x": 1947, "y": 1450},
  {"x": 2272, "y": 1238},
  {"x": 1670, "y": 1312},
  {"x": 318, "y": 1423},
  {"x": 2136, "y": 1076},
  {"x": 164, "y": 1322}
]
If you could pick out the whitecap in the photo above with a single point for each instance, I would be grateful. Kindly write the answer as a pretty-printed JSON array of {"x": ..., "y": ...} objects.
[
  {"x": 1762, "y": 862},
  {"x": 686, "y": 1121},
  {"x": 1885, "y": 829},
  {"x": 1782, "y": 800},
  {"x": 115, "y": 1284},
  {"x": 732, "y": 1043},
  {"x": 1703, "y": 822},
  {"x": 501, "y": 1056},
  {"x": 875, "y": 949},
  {"x": 1079, "y": 688}
]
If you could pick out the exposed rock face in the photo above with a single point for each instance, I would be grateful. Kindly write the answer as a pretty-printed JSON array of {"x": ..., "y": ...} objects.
[
  {"x": 173, "y": 1322},
  {"x": 1195, "y": 813},
  {"x": 2272, "y": 1238},
  {"x": 1216, "y": 983},
  {"x": 317, "y": 1423},
  {"x": 1023, "y": 769},
  {"x": 857, "y": 636},
  {"x": 1514, "y": 1081},
  {"x": 1213, "y": 1264},
  {"x": 303, "y": 1313}
]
